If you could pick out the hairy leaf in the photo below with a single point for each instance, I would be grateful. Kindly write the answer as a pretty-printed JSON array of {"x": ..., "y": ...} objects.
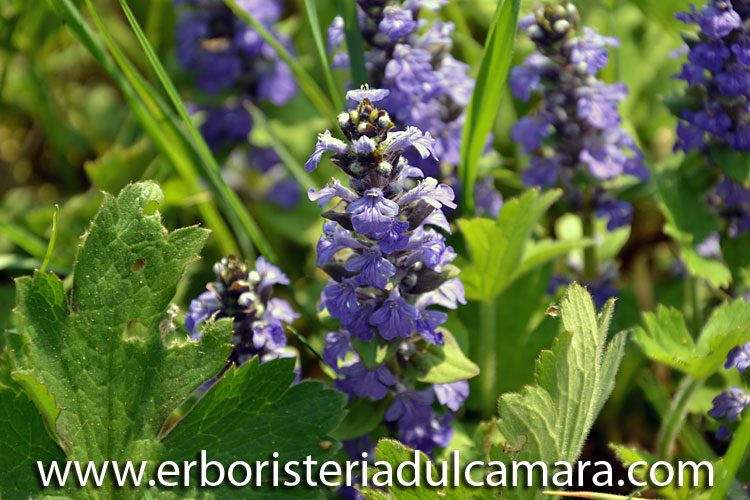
[
  {"x": 550, "y": 421},
  {"x": 666, "y": 339},
  {"x": 99, "y": 351}
]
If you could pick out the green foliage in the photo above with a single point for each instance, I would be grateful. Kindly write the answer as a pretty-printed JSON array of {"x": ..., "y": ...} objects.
[
  {"x": 354, "y": 44},
  {"x": 99, "y": 352},
  {"x": 480, "y": 114},
  {"x": 690, "y": 221},
  {"x": 443, "y": 364},
  {"x": 24, "y": 441},
  {"x": 550, "y": 421},
  {"x": 666, "y": 339},
  {"x": 497, "y": 247}
]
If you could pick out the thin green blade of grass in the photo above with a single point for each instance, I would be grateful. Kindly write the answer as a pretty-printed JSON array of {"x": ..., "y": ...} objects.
[
  {"x": 227, "y": 197},
  {"x": 52, "y": 240},
  {"x": 305, "y": 81},
  {"x": 480, "y": 114},
  {"x": 290, "y": 162},
  {"x": 354, "y": 43},
  {"x": 156, "y": 125},
  {"x": 732, "y": 460},
  {"x": 312, "y": 17}
]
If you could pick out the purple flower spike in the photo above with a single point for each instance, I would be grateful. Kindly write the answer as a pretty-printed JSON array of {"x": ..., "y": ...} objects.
[{"x": 373, "y": 214}]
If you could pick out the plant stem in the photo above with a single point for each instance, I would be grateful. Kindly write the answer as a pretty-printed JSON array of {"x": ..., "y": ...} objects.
[
  {"x": 732, "y": 460},
  {"x": 675, "y": 417},
  {"x": 692, "y": 291},
  {"x": 590, "y": 265},
  {"x": 485, "y": 355}
]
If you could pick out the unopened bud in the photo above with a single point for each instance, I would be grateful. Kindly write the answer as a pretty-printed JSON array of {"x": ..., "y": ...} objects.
[{"x": 384, "y": 168}]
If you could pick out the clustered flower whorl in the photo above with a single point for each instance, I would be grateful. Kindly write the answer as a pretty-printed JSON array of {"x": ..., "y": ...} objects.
[
  {"x": 718, "y": 76},
  {"x": 387, "y": 267},
  {"x": 574, "y": 133},
  {"x": 246, "y": 295},
  {"x": 732, "y": 402},
  {"x": 429, "y": 88}
]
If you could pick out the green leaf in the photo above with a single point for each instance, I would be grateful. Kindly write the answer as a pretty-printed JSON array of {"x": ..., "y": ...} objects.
[
  {"x": 629, "y": 456},
  {"x": 540, "y": 252},
  {"x": 480, "y": 114},
  {"x": 666, "y": 338},
  {"x": 120, "y": 165},
  {"x": 395, "y": 453},
  {"x": 363, "y": 415},
  {"x": 354, "y": 43},
  {"x": 443, "y": 364},
  {"x": 690, "y": 221},
  {"x": 551, "y": 420},
  {"x": 733, "y": 163},
  {"x": 24, "y": 441},
  {"x": 312, "y": 17},
  {"x": 497, "y": 248},
  {"x": 99, "y": 350},
  {"x": 252, "y": 413}
]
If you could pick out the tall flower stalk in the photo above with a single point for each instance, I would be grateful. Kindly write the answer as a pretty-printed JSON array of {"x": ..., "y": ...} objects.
[
  {"x": 573, "y": 134},
  {"x": 717, "y": 73},
  {"x": 391, "y": 272},
  {"x": 429, "y": 88}
]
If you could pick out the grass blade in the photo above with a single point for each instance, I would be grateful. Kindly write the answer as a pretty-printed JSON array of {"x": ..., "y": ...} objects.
[
  {"x": 148, "y": 111},
  {"x": 228, "y": 197},
  {"x": 305, "y": 81},
  {"x": 312, "y": 16},
  {"x": 732, "y": 460},
  {"x": 52, "y": 240},
  {"x": 480, "y": 114},
  {"x": 354, "y": 43}
]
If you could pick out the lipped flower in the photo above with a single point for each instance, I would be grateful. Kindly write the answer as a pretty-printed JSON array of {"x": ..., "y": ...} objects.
[
  {"x": 391, "y": 272},
  {"x": 245, "y": 295},
  {"x": 731, "y": 403},
  {"x": 421, "y": 85}
]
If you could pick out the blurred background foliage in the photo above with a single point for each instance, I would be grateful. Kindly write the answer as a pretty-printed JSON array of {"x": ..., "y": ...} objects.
[{"x": 67, "y": 132}]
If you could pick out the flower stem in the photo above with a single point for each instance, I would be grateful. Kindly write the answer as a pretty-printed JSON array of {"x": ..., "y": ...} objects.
[
  {"x": 733, "y": 459},
  {"x": 675, "y": 417},
  {"x": 590, "y": 265},
  {"x": 485, "y": 355}
]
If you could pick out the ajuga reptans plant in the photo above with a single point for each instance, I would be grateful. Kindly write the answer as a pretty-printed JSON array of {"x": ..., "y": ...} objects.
[
  {"x": 391, "y": 272},
  {"x": 573, "y": 133},
  {"x": 731, "y": 403}
]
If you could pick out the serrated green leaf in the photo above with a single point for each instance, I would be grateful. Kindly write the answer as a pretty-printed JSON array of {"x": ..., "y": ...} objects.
[
  {"x": 99, "y": 351},
  {"x": 252, "y": 413},
  {"x": 24, "y": 441},
  {"x": 551, "y": 420},
  {"x": 443, "y": 364},
  {"x": 497, "y": 248},
  {"x": 395, "y": 453},
  {"x": 363, "y": 415},
  {"x": 666, "y": 339}
]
